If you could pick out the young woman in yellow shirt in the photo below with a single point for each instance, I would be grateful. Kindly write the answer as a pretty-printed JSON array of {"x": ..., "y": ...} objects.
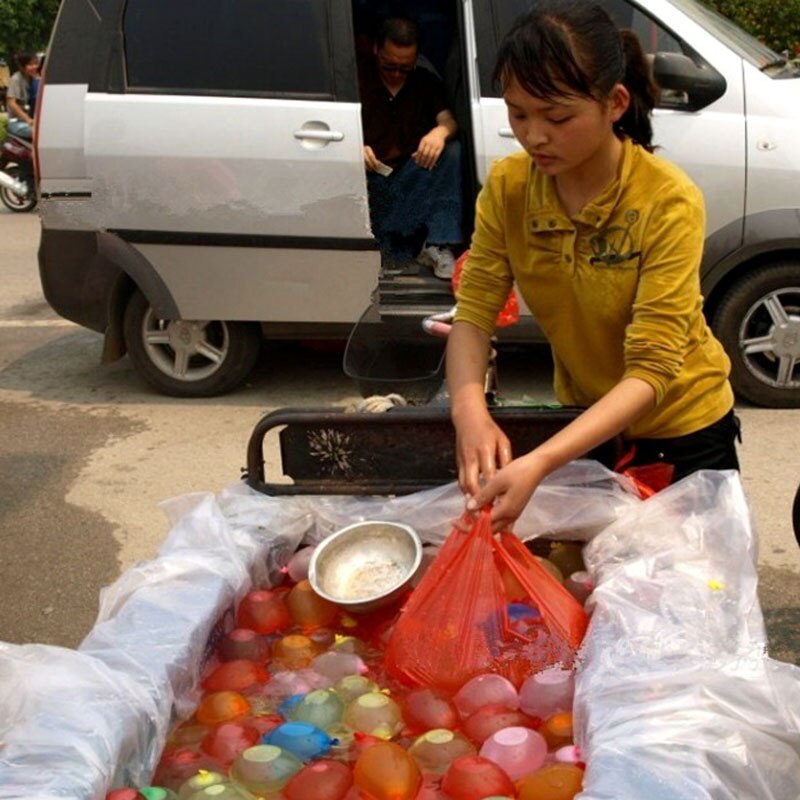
[{"x": 603, "y": 240}]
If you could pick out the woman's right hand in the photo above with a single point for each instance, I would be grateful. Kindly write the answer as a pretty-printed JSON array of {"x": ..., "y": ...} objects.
[{"x": 481, "y": 449}]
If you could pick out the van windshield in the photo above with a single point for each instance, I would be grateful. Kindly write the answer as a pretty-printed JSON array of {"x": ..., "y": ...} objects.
[{"x": 742, "y": 43}]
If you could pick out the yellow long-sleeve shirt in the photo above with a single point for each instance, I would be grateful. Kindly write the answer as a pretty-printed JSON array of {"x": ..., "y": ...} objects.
[{"x": 615, "y": 288}]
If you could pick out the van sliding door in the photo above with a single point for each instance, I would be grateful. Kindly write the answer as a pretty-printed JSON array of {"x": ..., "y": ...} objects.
[{"x": 230, "y": 156}]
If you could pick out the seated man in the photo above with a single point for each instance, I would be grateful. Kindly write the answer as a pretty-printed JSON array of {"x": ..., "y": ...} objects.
[{"x": 408, "y": 128}]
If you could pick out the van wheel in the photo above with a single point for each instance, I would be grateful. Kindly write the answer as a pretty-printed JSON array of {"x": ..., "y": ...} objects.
[
  {"x": 189, "y": 358},
  {"x": 758, "y": 323}
]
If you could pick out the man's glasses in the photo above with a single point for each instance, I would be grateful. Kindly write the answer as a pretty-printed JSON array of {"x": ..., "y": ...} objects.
[{"x": 387, "y": 66}]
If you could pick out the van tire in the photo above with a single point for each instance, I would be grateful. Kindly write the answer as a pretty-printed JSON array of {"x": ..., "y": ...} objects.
[
  {"x": 184, "y": 358},
  {"x": 765, "y": 304}
]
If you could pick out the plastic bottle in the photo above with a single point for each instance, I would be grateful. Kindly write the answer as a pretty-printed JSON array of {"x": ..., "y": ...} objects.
[
  {"x": 387, "y": 772},
  {"x": 308, "y": 609},
  {"x": 483, "y": 690},
  {"x": 518, "y": 751},
  {"x": 553, "y": 782},
  {"x": 243, "y": 644},
  {"x": 322, "y": 780},
  {"x": 321, "y": 707},
  {"x": 474, "y": 778},
  {"x": 298, "y": 563},
  {"x": 264, "y": 769},
  {"x": 222, "y": 706},
  {"x": 302, "y": 739},
  {"x": 339, "y": 665},
  {"x": 567, "y": 556},
  {"x": 374, "y": 713},
  {"x": 228, "y": 739},
  {"x": 579, "y": 585},
  {"x": 425, "y": 709},
  {"x": 547, "y": 692},
  {"x": 436, "y": 750},
  {"x": 492, "y": 718},
  {"x": 557, "y": 730},
  {"x": 202, "y": 780},
  {"x": 294, "y": 651},
  {"x": 263, "y": 611},
  {"x": 352, "y": 686},
  {"x": 235, "y": 676}
]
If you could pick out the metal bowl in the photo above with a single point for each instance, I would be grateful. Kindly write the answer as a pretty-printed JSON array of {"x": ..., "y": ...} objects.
[{"x": 365, "y": 566}]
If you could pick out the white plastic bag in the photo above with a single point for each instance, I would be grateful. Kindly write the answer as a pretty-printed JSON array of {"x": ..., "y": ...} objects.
[{"x": 675, "y": 696}]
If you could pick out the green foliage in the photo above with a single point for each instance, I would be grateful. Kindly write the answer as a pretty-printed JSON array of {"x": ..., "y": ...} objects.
[
  {"x": 25, "y": 26},
  {"x": 774, "y": 22}
]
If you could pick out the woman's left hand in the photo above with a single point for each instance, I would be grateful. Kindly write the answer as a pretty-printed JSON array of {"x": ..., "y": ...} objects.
[{"x": 509, "y": 491}]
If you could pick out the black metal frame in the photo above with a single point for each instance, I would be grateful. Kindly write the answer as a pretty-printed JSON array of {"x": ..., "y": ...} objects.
[{"x": 404, "y": 450}]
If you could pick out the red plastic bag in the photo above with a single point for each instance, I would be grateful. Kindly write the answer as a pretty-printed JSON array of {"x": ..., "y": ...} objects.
[
  {"x": 466, "y": 617},
  {"x": 509, "y": 313}
]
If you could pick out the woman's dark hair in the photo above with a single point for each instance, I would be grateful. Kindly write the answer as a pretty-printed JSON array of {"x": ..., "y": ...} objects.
[
  {"x": 23, "y": 59},
  {"x": 567, "y": 48}
]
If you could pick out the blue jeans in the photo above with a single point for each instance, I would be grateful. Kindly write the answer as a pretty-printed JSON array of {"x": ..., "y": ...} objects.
[
  {"x": 414, "y": 205},
  {"x": 16, "y": 127}
]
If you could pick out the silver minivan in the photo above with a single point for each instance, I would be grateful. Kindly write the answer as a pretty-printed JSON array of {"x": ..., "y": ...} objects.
[{"x": 202, "y": 183}]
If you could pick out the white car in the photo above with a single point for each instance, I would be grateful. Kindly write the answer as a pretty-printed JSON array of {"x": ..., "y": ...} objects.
[{"x": 202, "y": 184}]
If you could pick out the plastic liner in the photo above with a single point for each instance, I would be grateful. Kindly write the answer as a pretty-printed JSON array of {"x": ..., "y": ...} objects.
[{"x": 675, "y": 696}]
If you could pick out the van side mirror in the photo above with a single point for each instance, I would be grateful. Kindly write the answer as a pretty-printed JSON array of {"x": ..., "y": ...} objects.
[{"x": 686, "y": 84}]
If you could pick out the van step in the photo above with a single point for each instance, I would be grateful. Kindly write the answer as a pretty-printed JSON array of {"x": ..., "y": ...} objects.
[{"x": 416, "y": 293}]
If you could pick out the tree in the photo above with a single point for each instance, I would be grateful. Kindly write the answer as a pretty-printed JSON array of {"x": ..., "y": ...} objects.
[
  {"x": 774, "y": 22},
  {"x": 25, "y": 26}
]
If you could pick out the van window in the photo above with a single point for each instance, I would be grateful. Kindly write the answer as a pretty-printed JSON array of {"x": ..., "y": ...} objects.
[
  {"x": 231, "y": 47},
  {"x": 653, "y": 36}
]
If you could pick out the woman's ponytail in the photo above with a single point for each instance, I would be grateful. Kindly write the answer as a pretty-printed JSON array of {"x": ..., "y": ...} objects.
[{"x": 638, "y": 80}]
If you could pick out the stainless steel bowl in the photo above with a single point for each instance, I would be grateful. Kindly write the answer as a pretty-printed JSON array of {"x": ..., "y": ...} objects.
[{"x": 367, "y": 565}]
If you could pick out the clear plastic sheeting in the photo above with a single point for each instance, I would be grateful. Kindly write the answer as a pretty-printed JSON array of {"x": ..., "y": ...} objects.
[{"x": 675, "y": 697}]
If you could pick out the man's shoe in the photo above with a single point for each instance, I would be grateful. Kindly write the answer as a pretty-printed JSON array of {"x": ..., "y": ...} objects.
[{"x": 441, "y": 259}]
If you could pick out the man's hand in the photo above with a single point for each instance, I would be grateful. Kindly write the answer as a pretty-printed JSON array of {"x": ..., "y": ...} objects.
[
  {"x": 370, "y": 160},
  {"x": 431, "y": 146}
]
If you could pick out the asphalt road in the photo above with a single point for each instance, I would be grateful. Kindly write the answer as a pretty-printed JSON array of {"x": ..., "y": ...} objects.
[{"x": 87, "y": 452}]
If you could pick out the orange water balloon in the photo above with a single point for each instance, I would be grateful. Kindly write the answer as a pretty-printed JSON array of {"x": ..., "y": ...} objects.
[
  {"x": 235, "y": 676},
  {"x": 263, "y": 611},
  {"x": 222, "y": 706},
  {"x": 557, "y": 730},
  {"x": 308, "y": 609},
  {"x": 387, "y": 772},
  {"x": 553, "y": 782}
]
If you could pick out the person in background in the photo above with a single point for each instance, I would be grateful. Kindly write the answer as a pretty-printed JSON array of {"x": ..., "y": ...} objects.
[
  {"x": 20, "y": 116},
  {"x": 35, "y": 84},
  {"x": 604, "y": 241},
  {"x": 412, "y": 160}
]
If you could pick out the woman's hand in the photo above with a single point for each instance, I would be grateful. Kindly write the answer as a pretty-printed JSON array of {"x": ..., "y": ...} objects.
[
  {"x": 481, "y": 447},
  {"x": 509, "y": 491}
]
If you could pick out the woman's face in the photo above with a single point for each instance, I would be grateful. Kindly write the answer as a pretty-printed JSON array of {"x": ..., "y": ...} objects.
[{"x": 562, "y": 134}]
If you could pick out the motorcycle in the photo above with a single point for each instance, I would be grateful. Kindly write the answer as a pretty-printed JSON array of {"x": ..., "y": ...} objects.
[{"x": 17, "y": 184}]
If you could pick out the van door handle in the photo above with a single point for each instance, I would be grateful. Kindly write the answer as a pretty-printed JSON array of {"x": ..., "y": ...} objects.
[
  {"x": 318, "y": 135},
  {"x": 506, "y": 133}
]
